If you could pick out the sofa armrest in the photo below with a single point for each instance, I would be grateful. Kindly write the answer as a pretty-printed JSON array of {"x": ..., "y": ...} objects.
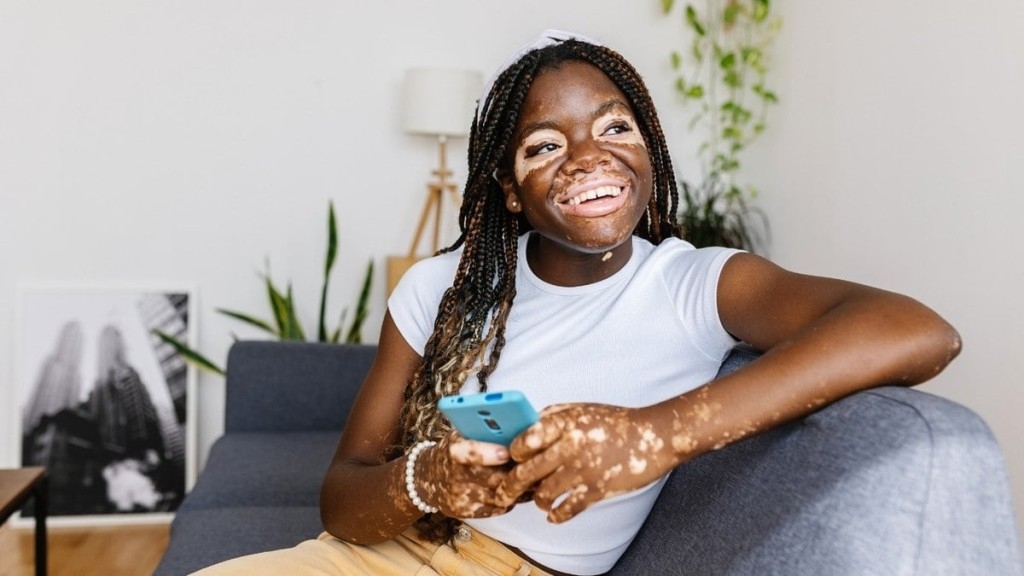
[
  {"x": 886, "y": 481},
  {"x": 292, "y": 386}
]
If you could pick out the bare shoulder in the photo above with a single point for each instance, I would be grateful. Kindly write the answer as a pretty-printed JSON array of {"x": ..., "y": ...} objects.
[{"x": 762, "y": 303}]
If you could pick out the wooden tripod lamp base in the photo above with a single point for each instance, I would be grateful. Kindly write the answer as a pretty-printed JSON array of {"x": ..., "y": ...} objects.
[{"x": 436, "y": 191}]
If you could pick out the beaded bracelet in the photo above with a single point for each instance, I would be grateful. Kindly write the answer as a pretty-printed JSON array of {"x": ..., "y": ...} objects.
[{"x": 410, "y": 486}]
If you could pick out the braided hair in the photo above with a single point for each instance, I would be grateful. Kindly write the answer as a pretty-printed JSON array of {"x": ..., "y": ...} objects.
[{"x": 463, "y": 341}]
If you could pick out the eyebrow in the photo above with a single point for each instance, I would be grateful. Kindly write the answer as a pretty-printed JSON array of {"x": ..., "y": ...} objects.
[
  {"x": 612, "y": 105},
  {"x": 601, "y": 111}
]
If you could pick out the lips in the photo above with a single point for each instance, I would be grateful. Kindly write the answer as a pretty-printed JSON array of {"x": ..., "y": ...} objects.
[
  {"x": 594, "y": 199},
  {"x": 594, "y": 193}
]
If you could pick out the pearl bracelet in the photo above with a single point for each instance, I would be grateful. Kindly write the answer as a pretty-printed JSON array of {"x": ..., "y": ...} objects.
[{"x": 410, "y": 467}]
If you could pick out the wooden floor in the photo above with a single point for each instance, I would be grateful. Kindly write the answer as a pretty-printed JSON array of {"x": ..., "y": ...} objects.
[{"x": 98, "y": 551}]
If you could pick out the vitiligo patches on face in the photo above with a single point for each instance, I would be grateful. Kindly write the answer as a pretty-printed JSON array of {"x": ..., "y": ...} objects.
[
  {"x": 541, "y": 147},
  {"x": 537, "y": 150}
]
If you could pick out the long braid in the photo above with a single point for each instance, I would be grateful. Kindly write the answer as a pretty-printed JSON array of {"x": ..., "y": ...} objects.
[{"x": 469, "y": 331}]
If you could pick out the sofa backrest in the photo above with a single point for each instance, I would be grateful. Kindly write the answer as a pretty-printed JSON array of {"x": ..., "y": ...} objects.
[
  {"x": 293, "y": 386},
  {"x": 275, "y": 386}
]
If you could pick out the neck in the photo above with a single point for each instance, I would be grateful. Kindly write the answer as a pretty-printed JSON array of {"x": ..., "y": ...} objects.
[{"x": 562, "y": 265}]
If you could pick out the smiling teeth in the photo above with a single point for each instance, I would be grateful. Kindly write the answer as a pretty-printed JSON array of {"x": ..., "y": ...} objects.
[{"x": 595, "y": 193}]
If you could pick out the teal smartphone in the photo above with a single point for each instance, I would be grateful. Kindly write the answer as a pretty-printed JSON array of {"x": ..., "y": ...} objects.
[{"x": 496, "y": 417}]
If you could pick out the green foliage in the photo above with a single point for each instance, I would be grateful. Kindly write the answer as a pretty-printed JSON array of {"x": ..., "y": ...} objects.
[
  {"x": 723, "y": 76},
  {"x": 710, "y": 218},
  {"x": 285, "y": 323}
]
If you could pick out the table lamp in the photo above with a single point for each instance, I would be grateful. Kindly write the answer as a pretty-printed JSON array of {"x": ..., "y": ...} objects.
[{"x": 440, "y": 103}]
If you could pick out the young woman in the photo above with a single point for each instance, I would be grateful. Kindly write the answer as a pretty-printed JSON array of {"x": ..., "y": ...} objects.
[{"x": 569, "y": 282}]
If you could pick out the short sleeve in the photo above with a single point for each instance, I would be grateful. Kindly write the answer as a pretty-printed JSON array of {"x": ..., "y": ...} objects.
[
  {"x": 414, "y": 302},
  {"x": 691, "y": 277}
]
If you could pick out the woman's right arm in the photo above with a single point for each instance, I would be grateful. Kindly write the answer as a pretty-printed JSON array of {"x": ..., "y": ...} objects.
[{"x": 363, "y": 499}]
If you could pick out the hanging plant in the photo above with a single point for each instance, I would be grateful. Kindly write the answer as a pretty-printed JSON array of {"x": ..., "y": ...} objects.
[{"x": 723, "y": 76}]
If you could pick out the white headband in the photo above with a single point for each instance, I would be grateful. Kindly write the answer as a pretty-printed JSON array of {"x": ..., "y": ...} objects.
[{"x": 546, "y": 38}]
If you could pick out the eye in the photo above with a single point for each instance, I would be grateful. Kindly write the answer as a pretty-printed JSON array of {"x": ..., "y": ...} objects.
[
  {"x": 617, "y": 127},
  {"x": 539, "y": 149}
]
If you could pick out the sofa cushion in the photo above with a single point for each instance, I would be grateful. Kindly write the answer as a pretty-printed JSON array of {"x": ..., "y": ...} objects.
[
  {"x": 264, "y": 469},
  {"x": 201, "y": 538}
]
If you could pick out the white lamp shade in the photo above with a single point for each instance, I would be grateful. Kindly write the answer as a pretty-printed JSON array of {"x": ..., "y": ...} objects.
[{"x": 439, "y": 102}]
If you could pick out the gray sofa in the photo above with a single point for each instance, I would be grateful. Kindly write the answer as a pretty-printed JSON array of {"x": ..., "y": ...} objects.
[{"x": 287, "y": 402}]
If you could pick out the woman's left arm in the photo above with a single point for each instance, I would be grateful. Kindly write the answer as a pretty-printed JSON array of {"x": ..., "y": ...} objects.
[{"x": 822, "y": 339}]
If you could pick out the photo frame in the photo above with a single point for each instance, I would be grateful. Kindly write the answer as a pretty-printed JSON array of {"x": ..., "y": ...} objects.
[{"x": 103, "y": 403}]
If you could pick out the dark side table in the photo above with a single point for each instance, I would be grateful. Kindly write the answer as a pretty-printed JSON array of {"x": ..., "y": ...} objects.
[{"x": 17, "y": 486}]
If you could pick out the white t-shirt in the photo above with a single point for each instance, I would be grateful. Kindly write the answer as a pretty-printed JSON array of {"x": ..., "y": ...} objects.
[{"x": 648, "y": 333}]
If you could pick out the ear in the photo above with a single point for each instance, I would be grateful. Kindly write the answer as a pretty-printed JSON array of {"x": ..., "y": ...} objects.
[{"x": 511, "y": 190}]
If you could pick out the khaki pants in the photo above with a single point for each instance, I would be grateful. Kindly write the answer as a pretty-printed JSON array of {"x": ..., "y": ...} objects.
[{"x": 404, "y": 555}]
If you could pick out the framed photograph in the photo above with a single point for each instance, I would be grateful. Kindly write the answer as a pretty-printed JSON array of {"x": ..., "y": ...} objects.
[{"x": 103, "y": 403}]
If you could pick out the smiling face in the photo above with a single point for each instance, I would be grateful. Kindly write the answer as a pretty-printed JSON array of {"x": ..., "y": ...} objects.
[{"x": 578, "y": 167}]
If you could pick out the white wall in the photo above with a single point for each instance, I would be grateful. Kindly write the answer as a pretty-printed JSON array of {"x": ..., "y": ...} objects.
[
  {"x": 167, "y": 143},
  {"x": 895, "y": 159}
]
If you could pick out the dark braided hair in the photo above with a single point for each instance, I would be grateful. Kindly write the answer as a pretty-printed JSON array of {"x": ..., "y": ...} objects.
[{"x": 484, "y": 287}]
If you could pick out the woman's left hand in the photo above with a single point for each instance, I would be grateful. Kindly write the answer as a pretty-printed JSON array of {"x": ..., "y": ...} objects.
[{"x": 586, "y": 452}]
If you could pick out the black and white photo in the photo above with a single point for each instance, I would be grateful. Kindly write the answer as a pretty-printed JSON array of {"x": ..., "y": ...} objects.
[{"x": 103, "y": 402}]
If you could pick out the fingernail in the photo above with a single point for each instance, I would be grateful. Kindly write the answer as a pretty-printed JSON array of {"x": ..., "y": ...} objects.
[{"x": 501, "y": 453}]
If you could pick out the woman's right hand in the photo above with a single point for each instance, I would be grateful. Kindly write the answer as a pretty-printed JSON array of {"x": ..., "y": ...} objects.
[{"x": 460, "y": 477}]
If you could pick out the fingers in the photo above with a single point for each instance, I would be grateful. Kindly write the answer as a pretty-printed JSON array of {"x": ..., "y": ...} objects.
[
  {"x": 536, "y": 438},
  {"x": 578, "y": 500},
  {"x": 528, "y": 473},
  {"x": 476, "y": 453}
]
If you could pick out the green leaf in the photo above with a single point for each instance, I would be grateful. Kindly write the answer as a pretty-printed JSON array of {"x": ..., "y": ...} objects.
[
  {"x": 190, "y": 355},
  {"x": 761, "y": 9},
  {"x": 681, "y": 86},
  {"x": 730, "y": 14},
  {"x": 336, "y": 337},
  {"x": 732, "y": 79},
  {"x": 693, "y": 20},
  {"x": 279, "y": 307},
  {"x": 295, "y": 331},
  {"x": 666, "y": 6},
  {"x": 261, "y": 324},
  {"x": 697, "y": 50},
  {"x": 751, "y": 56},
  {"x": 332, "y": 254},
  {"x": 732, "y": 133},
  {"x": 676, "y": 59},
  {"x": 741, "y": 115},
  {"x": 695, "y": 91},
  {"x": 727, "y": 61},
  {"x": 355, "y": 333}
]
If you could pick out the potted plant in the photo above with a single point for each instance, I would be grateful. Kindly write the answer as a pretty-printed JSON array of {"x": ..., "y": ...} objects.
[
  {"x": 723, "y": 75},
  {"x": 286, "y": 324}
]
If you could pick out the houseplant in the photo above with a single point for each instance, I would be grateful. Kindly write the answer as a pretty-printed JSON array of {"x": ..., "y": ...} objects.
[
  {"x": 286, "y": 324},
  {"x": 723, "y": 75}
]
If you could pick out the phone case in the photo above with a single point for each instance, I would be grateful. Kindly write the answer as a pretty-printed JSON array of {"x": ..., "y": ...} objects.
[{"x": 496, "y": 417}]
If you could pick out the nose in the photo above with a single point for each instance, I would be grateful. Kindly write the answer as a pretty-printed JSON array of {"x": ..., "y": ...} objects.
[{"x": 585, "y": 155}]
